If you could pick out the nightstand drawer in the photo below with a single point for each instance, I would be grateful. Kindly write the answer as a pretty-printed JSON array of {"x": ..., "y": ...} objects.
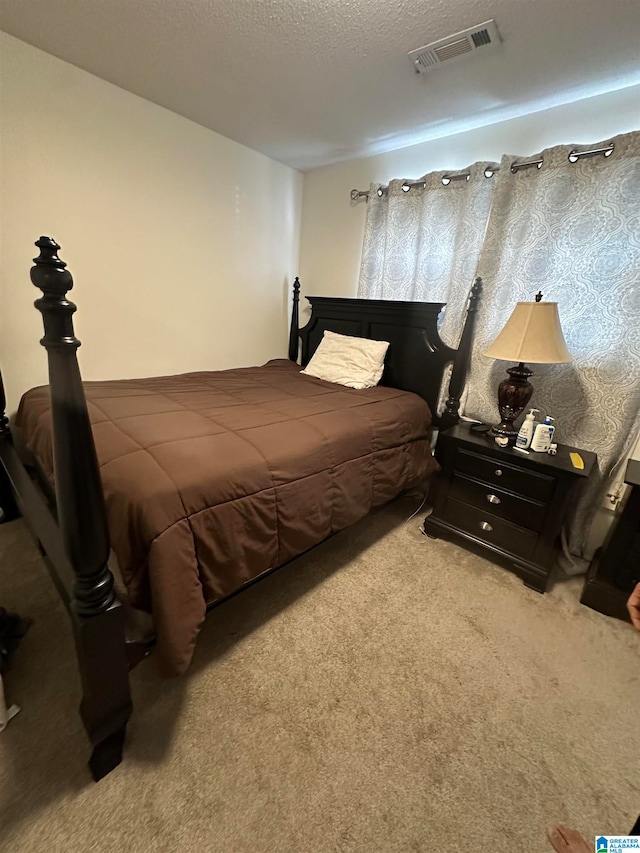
[
  {"x": 506, "y": 476},
  {"x": 489, "y": 528},
  {"x": 512, "y": 508},
  {"x": 504, "y": 504}
]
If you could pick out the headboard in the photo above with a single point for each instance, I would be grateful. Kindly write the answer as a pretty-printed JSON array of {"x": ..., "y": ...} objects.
[{"x": 417, "y": 357}]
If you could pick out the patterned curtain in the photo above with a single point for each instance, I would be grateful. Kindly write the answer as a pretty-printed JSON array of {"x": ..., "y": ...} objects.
[
  {"x": 424, "y": 244},
  {"x": 571, "y": 230}
]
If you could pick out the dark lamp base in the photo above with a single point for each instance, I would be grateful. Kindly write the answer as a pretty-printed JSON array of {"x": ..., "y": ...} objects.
[{"x": 513, "y": 396}]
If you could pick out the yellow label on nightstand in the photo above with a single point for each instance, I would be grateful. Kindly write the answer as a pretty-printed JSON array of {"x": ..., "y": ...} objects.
[{"x": 577, "y": 461}]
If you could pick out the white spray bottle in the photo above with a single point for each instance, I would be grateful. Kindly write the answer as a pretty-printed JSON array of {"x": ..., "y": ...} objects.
[{"x": 526, "y": 430}]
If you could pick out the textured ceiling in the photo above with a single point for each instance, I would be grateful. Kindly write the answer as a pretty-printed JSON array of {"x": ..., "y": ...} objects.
[{"x": 310, "y": 82}]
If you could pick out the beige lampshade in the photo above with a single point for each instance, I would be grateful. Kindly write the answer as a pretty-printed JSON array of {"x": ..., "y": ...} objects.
[{"x": 532, "y": 334}]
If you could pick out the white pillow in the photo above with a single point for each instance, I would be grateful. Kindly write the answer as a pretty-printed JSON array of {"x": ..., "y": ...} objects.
[{"x": 354, "y": 362}]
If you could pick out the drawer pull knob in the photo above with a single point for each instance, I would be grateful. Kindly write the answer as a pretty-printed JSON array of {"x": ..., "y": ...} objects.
[
  {"x": 485, "y": 526},
  {"x": 498, "y": 472},
  {"x": 493, "y": 499}
]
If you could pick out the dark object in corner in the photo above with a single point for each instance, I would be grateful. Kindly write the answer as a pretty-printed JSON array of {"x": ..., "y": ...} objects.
[
  {"x": 615, "y": 568},
  {"x": 12, "y": 630}
]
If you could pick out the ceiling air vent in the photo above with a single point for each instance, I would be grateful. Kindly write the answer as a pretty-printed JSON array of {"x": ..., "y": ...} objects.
[{"x": 475, "y": 38}]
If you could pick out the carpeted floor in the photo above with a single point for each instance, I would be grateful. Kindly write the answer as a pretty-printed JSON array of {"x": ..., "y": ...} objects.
[{"x": 386, "y": 692}]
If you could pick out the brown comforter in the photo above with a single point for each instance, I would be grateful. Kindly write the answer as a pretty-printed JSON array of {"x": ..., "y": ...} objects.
[{"x": 211, "y": 479}]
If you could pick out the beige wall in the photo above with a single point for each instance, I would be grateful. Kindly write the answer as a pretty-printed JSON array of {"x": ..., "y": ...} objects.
[
  {"x": 332, "y": 230},
  {"x": 183, "y": 244}
]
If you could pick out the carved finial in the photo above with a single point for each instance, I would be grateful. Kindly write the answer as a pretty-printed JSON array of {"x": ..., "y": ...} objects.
[
  {"x": 539, "y": 296},
  {"x": 295, "y": 319},
  {"x": 50, "y": 273},
  {"x": 53, "y": 279}
]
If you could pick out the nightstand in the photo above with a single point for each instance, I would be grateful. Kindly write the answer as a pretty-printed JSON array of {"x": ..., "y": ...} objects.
[
  {"x": 615, "y": 568},
  {"x": 505, "y": 505}
]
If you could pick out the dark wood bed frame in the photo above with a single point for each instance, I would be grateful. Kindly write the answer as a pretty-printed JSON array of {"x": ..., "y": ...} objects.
[{"x": 71, "y": 530}]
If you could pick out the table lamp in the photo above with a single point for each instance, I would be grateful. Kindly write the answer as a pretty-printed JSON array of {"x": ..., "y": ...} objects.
[{"x": 531, "y": 334}]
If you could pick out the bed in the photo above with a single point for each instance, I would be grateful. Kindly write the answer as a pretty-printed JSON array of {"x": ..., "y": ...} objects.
[{"x": 202, "y": 483}]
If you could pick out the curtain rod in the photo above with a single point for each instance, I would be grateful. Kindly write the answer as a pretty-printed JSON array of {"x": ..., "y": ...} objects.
[{"x": 573, "y": 157}]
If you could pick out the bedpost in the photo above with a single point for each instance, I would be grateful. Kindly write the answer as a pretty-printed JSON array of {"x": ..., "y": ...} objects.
[
  {"x": 8, "y": 508},
  {"x": 96, "y": 613},
  {"x": 462, "y": 360},
  {"x": 5, "y": 432},
  {"x": 295, "y": 320}
]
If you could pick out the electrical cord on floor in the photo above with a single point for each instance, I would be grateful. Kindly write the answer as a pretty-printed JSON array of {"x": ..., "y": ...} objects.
[
  {"x": 423, "y": 539},
  {"x": 423, "y": 502},
  {"x": 420, "y": 539}
]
